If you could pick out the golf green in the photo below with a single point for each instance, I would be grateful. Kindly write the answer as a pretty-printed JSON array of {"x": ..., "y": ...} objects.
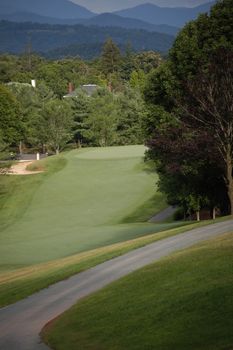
[{"x": 81, "y": 207}]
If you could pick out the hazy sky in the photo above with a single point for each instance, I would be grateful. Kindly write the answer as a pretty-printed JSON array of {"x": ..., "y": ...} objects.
[{"x": 114, "y": 5}]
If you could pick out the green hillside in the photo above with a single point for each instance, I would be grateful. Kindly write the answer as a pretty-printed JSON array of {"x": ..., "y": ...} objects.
[
  {"x": 81, "y": 207},
  {"x": 183, "y": 302}
]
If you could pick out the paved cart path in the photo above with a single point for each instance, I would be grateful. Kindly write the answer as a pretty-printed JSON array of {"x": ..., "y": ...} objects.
[
  {"x": 21, "y": 323},
  {"x": 163, "y": 215}
]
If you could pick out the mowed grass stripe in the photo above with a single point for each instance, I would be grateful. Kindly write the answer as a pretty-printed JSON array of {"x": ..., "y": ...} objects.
[
  {"x": 183, "y": 302},
  {"x": 20, "y": 283},
  {"x": 78, "y": 208}
]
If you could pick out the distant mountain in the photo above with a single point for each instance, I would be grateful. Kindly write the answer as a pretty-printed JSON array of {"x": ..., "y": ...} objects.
[
  {"x": 85, "y": 51},
  {"x": 104, "y": 20},
  {"x": 34, "y": 18},
  {"x": 49, "y": 8},
  {"x": 112, "y": 20},
  {"x": 117, "y": 5},
  {"x": 15, "y": 37},
  {"x": 176, "y": 16}
]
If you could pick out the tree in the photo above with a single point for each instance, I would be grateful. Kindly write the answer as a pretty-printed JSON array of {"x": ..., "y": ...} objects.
[
  {"x": 131, "y": 111},
  {"x": 147, "y": 61},
  {"x": 56, "y": 123},
  {"x": 201, "y": 65},
  {"x": 111, "y": 58},
  {"x": 127, "y": 62},
  {"x": 208, "y": 105},
  {"x": 193, "y": 91},
  {"x": 197, "y": 41},
  {"x": 137, "y": 79},
  {"x": 81, "y": 108},
  {"x": 32, "y": 102},
  {"x": 27, "y": 97},
  {"x": 189, "y": 170},
  {"x": 8, "y": 67},
  {"x": 10, "y": 121},
  {"x": 102, "y": 120}
]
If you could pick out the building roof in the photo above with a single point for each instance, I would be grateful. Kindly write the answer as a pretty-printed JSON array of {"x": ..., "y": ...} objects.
[{"x": 89, "y": 89}]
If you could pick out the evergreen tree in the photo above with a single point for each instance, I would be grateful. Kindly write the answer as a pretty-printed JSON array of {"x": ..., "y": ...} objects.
[{"x": 111, "y": 58}]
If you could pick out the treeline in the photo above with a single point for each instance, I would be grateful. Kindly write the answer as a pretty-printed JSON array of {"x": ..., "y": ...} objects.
[
  {"x": 43, "y": 120},
  {"x": 190, "y": 124},
  {"x": 54, "y": 40}
]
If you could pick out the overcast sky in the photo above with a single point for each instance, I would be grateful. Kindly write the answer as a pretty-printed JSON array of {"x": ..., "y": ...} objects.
[{"x": 114, "y": 5}]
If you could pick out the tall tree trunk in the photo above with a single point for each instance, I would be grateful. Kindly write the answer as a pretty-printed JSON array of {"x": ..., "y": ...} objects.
[
  {"x": 43, "y": 148},
  {"x": 214, "y": 213},
  {"x": 198, "y": 215},
  {"x": 229, "y": 180},
  {"x": 20, "y": 147}
]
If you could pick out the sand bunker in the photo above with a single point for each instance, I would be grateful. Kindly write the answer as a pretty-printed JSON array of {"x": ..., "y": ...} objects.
[{"x": 20, "y": 169}]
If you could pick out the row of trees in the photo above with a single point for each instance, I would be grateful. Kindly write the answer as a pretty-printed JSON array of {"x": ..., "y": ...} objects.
[
  {"x": 112, "y": 66},
  {"x": 190, "y": 124},
  {"x": 37, "y": 118},
  {"x": 42, "y": 119}
]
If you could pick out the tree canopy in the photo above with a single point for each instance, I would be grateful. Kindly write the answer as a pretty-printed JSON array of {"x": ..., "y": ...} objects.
[
  {"x": 189, "y": 129},
  {"x": 10, "y": 121}
]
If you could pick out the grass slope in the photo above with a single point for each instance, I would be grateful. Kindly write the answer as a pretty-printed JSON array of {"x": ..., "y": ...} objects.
[
  {"x": 81, "y": 207},
  {"x": 16, "y": 192},
  {"x": 20, "y": 283},
  {"x": 183, "y": 302}
]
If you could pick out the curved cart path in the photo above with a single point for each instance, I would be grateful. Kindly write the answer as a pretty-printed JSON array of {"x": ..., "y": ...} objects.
[
  {"x": 21, "y": 323},
  {"x": 163, "y": 215}
]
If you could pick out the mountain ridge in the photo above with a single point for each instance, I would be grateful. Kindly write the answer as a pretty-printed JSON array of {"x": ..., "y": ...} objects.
[
  {"x": 51, "y": 8},
  {"x": 112, "y": 5},
  {"x": 102, "y": 20},
  {"x": 153, "y": 14},
  {"x": 113, "y": 20},
  {"x": 15, "y": 38}
]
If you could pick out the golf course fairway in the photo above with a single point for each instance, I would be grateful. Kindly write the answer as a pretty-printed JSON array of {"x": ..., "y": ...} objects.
[{"x": 82, "y": 206}]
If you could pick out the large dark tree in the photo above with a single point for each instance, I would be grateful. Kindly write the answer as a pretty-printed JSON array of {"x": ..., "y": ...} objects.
[
  {"x": 194, "y": 90},
  {"x": 208, "y": 105}
]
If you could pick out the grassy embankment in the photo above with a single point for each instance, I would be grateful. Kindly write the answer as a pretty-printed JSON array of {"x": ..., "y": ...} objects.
[
  {"x": 183, "y": 302},
  {"x": 16, "y": 192},
  {"x": 67, "y": 219},
  {"x": 20, "y": 283},
  {"x": 81, "y": 207}
]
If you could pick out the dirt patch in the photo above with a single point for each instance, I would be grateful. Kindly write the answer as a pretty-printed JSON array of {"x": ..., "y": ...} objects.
[{"x": 20, "y": 168}]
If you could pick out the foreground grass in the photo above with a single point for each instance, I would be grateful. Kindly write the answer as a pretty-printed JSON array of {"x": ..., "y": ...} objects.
[
  {"x": 183, "y": 302},
  {"x": 20, "y": 283}
]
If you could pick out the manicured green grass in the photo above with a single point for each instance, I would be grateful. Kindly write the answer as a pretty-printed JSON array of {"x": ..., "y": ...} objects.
[
  {"x": 16, "y": 192},
  {"x": 20, "y": 283},
  {"x": 183, "y": 302},
  {"x": 154, "y": 205},
  {"x": 81, "y": 207}
]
